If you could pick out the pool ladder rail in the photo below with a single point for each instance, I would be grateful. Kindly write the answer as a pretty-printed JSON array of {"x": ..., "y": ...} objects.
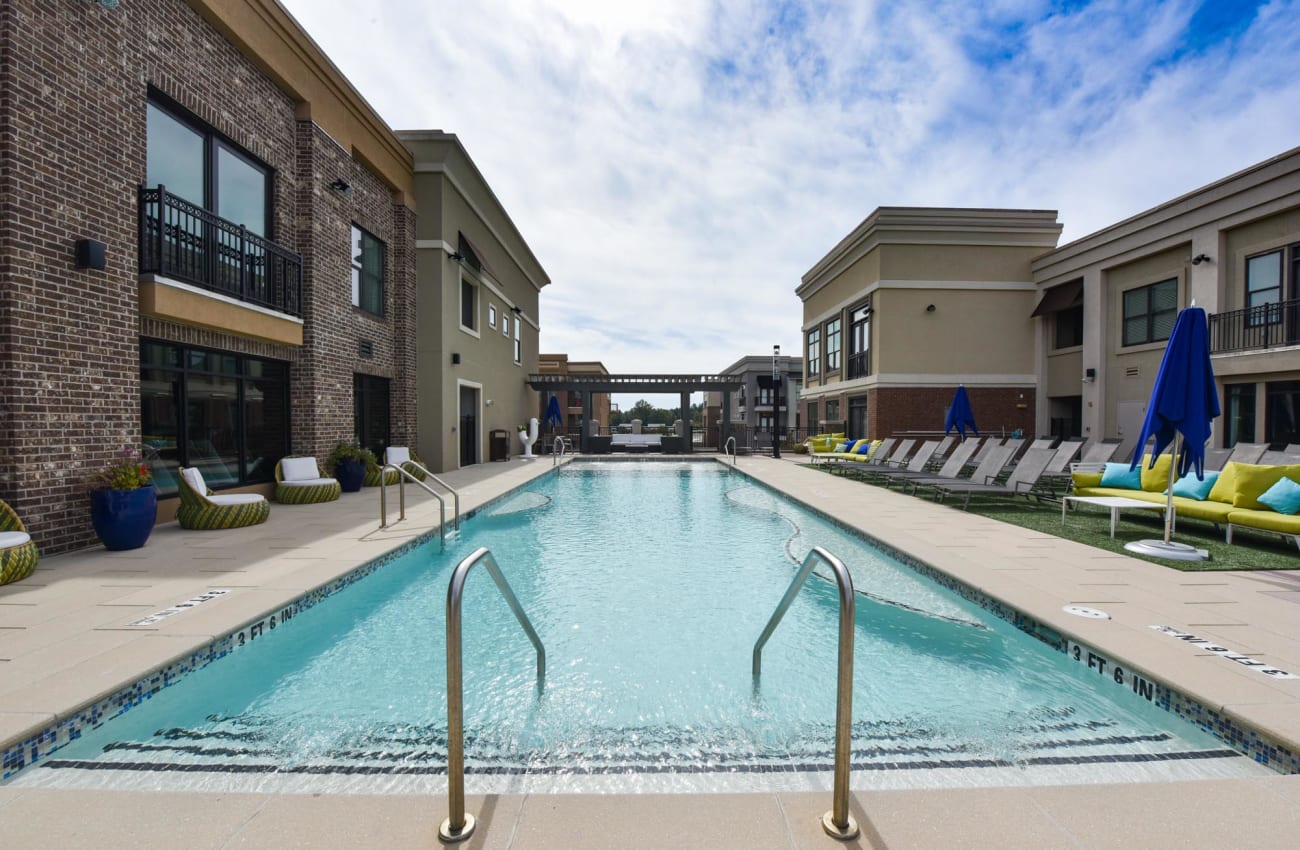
[
  {"x": 731, "y": 442},
  {"x": 402, "y": 476},
  {"x": 558, "y": 450},
  {"x": 459, "y": 824},
  {"x": 838, "y": 823}
]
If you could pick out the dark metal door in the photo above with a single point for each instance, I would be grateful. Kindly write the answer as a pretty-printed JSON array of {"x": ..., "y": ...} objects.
[{"x": 468, "y": 426}]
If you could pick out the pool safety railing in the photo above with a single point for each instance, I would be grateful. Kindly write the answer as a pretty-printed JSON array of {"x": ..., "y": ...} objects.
[
  {"x": 838, "y": 823},
  {"x": 729, "y": 448},
  {"x": 558, "y": 449},
  {"x": 402, "y": 476},
  {"x": 459, "y": 824}
]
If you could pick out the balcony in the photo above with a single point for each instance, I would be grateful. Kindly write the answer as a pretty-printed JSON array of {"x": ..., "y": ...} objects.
[
  {"x": 1256, "y": 328},
  {"x": 184, "y": 242}
]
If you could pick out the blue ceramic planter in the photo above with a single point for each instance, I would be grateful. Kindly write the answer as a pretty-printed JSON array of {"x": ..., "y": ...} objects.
[
  {"x": 123, "y": 519},
  {"x": 350, "y": 475}
]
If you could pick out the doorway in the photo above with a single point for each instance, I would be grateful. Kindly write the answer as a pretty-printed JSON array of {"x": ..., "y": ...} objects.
[{"x": 468, "y": 425}]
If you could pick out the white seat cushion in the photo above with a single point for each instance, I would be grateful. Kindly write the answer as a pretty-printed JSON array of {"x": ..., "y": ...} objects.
[
  {"x": 10, "y": 539},
  {"x": 237, "y": 499},
  {"x": 194, "y": 478},
  {"x": 299, "y": 469},
  {"x": 308, "y": 482},
  {"x": 397, "y": 454}
]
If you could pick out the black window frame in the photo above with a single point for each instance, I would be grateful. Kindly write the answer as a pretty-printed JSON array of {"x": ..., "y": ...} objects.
[
  {"x": 213, "y": 141},
  {"x": 1067, "y": 328},
  {"x": 1273, "y": 313},
  {"x": 813, "y": 347},
  {"x": 366, "y": 390},
  {"x": 834, "y": 353},
  {"x": 1150, "y": 315},
  {"x": 859, "y": 361},
  {"x": 358, "y": 271}
]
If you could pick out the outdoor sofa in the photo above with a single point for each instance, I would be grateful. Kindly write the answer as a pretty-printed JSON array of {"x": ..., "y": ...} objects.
[
  {"x": 1230, "y": 498},
  {"x": 635, "y": 443}
]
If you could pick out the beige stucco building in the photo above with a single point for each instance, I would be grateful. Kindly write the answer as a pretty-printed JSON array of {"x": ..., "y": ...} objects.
[
  {"x": 476, "y": 307},
  {"x": 1108, "y": 302},
  {"x": 914, "y": 302},
  {"x": 571, "y": 401}
]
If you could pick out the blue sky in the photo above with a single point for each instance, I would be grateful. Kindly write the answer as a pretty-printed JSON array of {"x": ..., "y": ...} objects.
[{"x": 677, "y": 166}]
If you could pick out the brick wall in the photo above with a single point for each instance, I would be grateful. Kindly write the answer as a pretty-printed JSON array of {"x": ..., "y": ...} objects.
[
  {"x": 894, "y": 409},
  {"x": 74, "y": 81}
]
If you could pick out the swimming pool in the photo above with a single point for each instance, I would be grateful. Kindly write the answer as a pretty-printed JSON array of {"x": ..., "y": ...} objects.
[{"x": 648, "y": 583}]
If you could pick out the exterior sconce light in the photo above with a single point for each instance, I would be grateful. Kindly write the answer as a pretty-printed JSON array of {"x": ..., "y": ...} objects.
[
  {"x": 1089, "y": 375},
  {"x": 1201, "y": 258},
  {"x": 929, "y": 308},
  {"x": 341, "y": 186}
]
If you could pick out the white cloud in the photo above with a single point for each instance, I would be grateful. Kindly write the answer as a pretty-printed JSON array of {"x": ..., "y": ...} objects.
[{"x": 677, "y": 166}]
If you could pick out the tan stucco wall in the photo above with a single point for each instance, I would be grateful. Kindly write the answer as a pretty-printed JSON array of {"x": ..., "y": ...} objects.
[
  {"x": 1255, "y": 238},
  {"x": 844, "y": 290},
  {"x": 1065, "y": 373},
  {"x": 957, "y": 262},
  {"x": 969, "y": 332},
  {"x": 195, "y": 308}
]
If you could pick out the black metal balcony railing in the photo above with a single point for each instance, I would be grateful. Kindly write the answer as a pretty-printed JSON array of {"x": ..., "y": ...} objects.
[
  {"x": 1265, "y": 326},
  {"x": 183, "y": 241}
]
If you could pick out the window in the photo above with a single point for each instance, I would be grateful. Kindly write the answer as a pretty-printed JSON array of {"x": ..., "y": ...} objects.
[
  {"x": 813, "y": 421},
  {"x": 833, "y": 410},
  {"x": 370, "y": 413},
  {"x": 860, "y": 341},
  {"x": 519, "y": 336},
  {"x": 858, "y": 417},
  {"x": 1150, "y": 311},
  {"x": 227, "y": 414},
  {"x": 1263, "y": 288},
  {"x": 814, "y": 359},
  {"x": 492, "y": 315},
  {"x": 191, "y": 160},
  {"x": 833, "y": 345},
  {"x": 468, "y": 303},
  {"x": 1069, "y": 328},
  {"x": 764, "y": 395},
  {"x": 505, "y": 326},
  {"x": 367, "y": 272},
  {"x": 1239, "y": 421},
  {"x": 1282, "y": 412}
]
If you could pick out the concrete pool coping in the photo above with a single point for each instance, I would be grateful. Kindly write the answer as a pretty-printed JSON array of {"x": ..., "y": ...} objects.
[{"x": 65, "y": 642}]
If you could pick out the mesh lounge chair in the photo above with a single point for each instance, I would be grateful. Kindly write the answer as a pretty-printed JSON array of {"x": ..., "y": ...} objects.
[
  {"x": 1057, "y": 472},
  {"x": 18, "y": 554},
  {"x": 915, "y": 466},
  {"x": 1248, "y": 452},
  {"x": 1021, "y": 482},
  {"x": 950, "y": 470},
  {"x": 987, "y": 471},
  {"x": 872, "y": 457},
  {"x": 1278, "y": 458},
  {"x": 203, "y": 510},
  {"x": 1102, "y": 451},
  {"x": 1216, "y": 458},
  {"x": 880, "y": 460},
  {"x": 298, "y": 482}
]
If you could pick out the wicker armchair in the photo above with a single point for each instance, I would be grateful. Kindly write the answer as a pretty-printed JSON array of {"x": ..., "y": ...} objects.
[
  {"x": 18, "y": 554},
  {"x": 298, "y": 482},
  {"x": 202, "y": 509},
  {"x": 407, "y": 459}
]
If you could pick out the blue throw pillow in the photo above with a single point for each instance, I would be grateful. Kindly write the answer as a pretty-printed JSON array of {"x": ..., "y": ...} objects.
[
  {"x": 1190, "y": 488},
  {"x": 863, "y": 448},
  {"x": 842, "y": 447},
  {"x": 1283, "y": 497},
  {"x": 1120, "y": 477}
]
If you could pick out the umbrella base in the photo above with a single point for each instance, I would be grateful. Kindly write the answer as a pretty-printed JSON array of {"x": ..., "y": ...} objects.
[{"x": 1171, "y": 551}]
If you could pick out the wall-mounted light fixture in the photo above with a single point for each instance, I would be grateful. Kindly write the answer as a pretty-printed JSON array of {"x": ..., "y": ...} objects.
[
  {"x": 90, "y": 254},
  {"x": 341, "y": 186},
  {"x": 456, "y": 256},
  {"x": 455, "y": 358},
  {"x": 1201, "y": 258},
  {"x": 929, "y": 308},
  {"x": 516, "y": 309}
]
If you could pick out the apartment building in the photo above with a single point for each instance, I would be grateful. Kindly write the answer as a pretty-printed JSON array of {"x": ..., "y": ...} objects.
[
  {"x": 571, "y": 401},
  {"x": 911, "y": 304},
  {"x": 208, "y": 252},
  {"x": 1107, "y": 303},
  {"x": 753, "y": 408}
]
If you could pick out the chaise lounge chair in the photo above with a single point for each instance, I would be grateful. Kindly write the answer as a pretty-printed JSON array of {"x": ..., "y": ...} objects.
[
  {"x": 298, "y": 482},
  {"x": 203, "y": 510},
  {"x": 1021, "y": 482},
  {"x": 18, "y": 554}
]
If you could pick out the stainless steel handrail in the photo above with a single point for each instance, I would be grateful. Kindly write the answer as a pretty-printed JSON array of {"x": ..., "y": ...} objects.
[
  {"x": 838, "y": 823},
  {"x": 731, "y": 441},
  {"x": 459, "y": 824},
  {"x": 557, "y": 450},
  {"x": 402, "y": 475}
]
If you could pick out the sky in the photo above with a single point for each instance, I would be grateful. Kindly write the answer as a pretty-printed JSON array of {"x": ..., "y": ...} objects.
[{"x": 677, "y": 166}]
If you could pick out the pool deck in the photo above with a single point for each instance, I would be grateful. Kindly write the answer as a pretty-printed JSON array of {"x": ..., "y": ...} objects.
[{"x": 65, "y": 642}]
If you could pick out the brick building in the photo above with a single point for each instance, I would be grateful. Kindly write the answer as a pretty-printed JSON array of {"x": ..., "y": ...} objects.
[{"x": 257, "y": 221}]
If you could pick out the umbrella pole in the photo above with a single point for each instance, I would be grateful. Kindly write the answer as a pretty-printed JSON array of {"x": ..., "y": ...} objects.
[{"x": 1169, "y": 491}]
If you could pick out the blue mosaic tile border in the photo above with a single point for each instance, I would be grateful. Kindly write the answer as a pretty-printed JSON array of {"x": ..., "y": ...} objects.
[{"x": 1246, "y": 740}]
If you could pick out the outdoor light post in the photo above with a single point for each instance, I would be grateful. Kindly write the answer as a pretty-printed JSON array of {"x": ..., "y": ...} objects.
[{"x": 776, "y": 404}]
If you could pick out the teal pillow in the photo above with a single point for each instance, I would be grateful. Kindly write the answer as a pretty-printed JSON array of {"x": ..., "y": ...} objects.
[
  {"x": 1283, "y": 497},
  {"x": 1120, "y": 477},
  {"x": 842, "y": 447},
  {"x": 1189, "y": 488}
]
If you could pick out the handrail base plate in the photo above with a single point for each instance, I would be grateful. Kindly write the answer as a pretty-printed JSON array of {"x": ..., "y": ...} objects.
[
  {"x": 448, "y": 837},
  {"x": 848, "y": 833}
]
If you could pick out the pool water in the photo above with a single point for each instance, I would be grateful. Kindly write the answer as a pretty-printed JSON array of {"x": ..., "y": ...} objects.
[{"x": 648, "y": 583}]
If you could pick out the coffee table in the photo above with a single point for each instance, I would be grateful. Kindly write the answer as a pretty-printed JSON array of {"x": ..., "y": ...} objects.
[{"x": 1115, "y": 503}]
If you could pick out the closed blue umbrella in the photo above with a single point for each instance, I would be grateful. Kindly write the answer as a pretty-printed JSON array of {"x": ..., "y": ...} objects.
[
  {"x": 960, "y": 414},
  {"x": 1183, "y": 404},
  {"x": 553, "y": 415}
]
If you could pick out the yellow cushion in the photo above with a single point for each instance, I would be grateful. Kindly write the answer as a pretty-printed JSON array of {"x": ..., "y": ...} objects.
[
  {"x": 1156, "y": 480},
  {"x": 1085, "y": 479},
  {"x": 871, "y": 452},
  {"x": 1226, "y": 486},
  {"x": 1253, "y": 480},
  {"x": 1266, "y": 520}
]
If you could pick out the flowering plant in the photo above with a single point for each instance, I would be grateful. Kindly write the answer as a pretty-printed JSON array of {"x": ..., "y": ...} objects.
[{"x": 128, "y": 472}]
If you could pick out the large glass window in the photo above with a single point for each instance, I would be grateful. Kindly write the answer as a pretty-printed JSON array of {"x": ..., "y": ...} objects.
[
  {"x": 813, "y": 421},
  {"x": 370, "y": 412},
  {"x": 196, "y": 163},
  {"x": 1239, "y": 418},
  {"x": 860, "y": 342},
  {"x": 857, "y": 417},
  {"x": 519, "y": 340},
  {"x": 832, "y": 411},
  {"x": 226, "y": 414},
  {"x": 468, "y": 304},
  {"x": 367, "y": 272},
  {"x": 1282, "y": 413},
  {"x": 1150, "y": 311},
  {"x": 1263, "y": 287},
  {"x": 833, "y": 334},
  {"x": 1069, "y": 327},
  {"x": 814, "y": 359}
]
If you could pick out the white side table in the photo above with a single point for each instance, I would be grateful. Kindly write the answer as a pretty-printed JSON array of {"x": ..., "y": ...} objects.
[{"x": 1115, "y": 503}]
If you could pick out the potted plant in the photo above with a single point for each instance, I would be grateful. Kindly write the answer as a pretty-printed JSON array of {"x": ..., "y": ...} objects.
[
  {"x": 348, "y": 462},
  {"x": 124, "y": 502}
]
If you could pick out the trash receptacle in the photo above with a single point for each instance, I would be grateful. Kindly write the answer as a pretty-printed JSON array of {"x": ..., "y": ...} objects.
[{"x": 499, "y": 445}]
